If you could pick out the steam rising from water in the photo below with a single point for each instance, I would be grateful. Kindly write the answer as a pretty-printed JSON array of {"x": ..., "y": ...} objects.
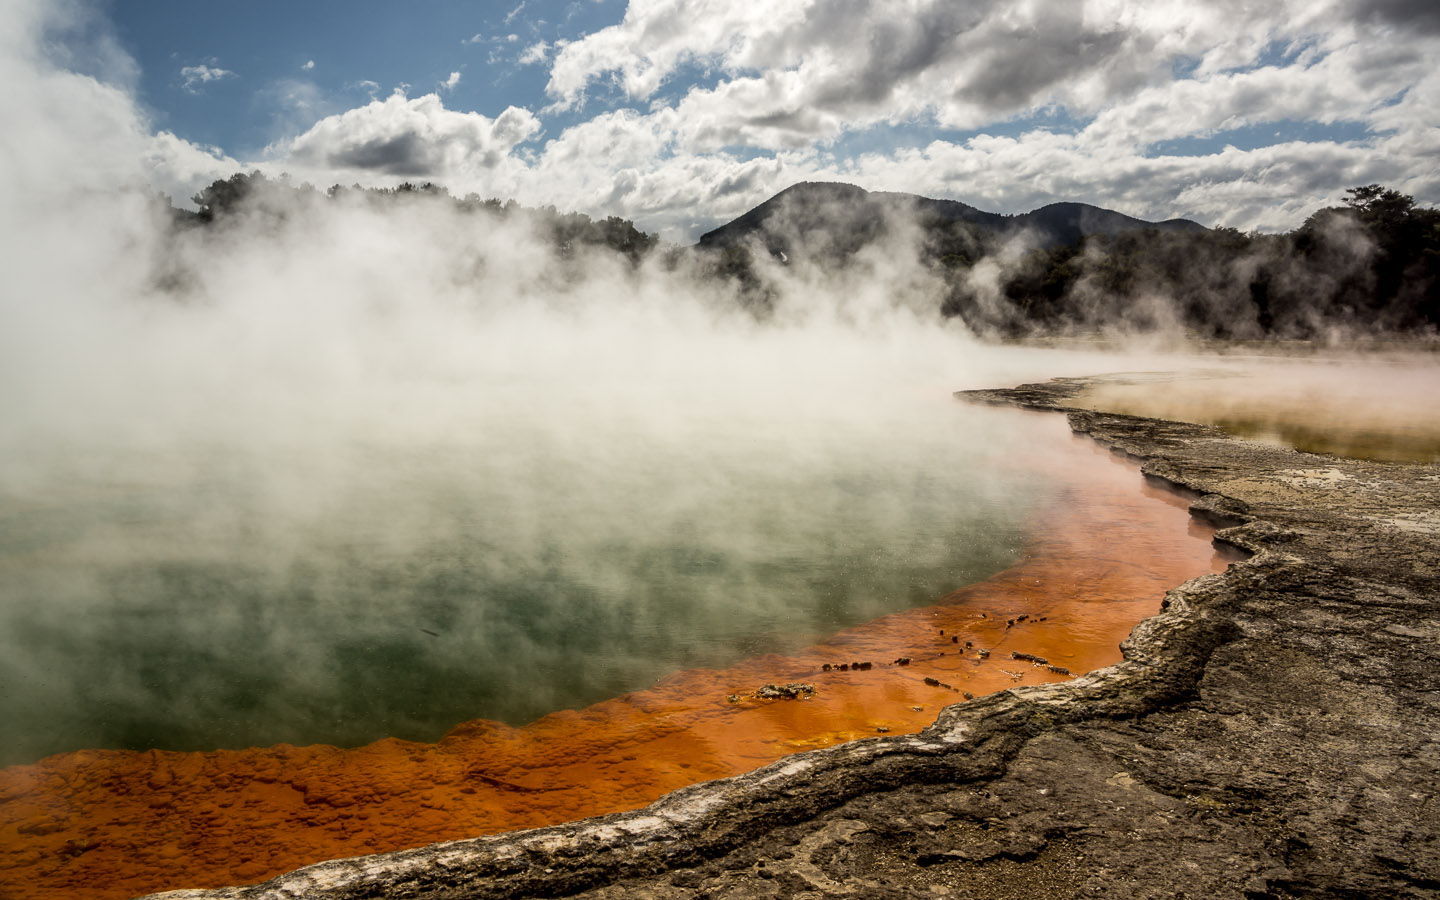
[
  {"x": 326, "y": 471},
  {"x": 334, "y": 473}
]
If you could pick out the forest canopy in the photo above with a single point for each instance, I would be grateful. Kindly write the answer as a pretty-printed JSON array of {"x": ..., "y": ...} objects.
[{"x": 1370, "y": 265}]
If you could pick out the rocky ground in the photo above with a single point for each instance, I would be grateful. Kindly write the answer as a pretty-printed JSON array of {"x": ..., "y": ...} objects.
[{"x": 1274, "y": 732}]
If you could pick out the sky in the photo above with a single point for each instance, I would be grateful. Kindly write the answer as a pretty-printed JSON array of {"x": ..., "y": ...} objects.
[{"x": 681, "y": 114}]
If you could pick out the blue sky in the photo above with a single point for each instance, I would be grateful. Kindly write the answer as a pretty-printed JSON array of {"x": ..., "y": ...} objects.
[
  {"x": 681, "y": 113},
  {"x": 353, "y": 44}
]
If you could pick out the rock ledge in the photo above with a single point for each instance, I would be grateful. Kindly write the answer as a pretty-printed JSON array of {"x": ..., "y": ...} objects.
[{"x": 1273, "y": 732}]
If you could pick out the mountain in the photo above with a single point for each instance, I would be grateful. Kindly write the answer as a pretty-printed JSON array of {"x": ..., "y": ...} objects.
[
  {"x": 840, "y": 218},
  {"x": 1067, "y": 223}
]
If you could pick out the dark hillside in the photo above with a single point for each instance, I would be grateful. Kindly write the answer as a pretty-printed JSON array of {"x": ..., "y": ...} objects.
[{"x": 842, "y": 217}]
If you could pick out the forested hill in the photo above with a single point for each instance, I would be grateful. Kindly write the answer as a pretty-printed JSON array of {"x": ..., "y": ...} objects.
[
  {"x": 1370, "y": 266},
  {"x": 255, "y": 194},
  {"x": 844, "y": 216}
]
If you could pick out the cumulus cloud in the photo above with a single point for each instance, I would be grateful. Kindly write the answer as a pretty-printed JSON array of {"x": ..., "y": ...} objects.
[
  {"x": 309, "y": 65},
  {"x": 1079, "y": 101},
  {"x": 180, "y": 168},
  {"x": 788, "y": 78},
  {"x": 882, "y": 60},
  {"x": 1266, "y": 188},
  {"x": 796, "y": 72},
  {"x": 412, "y": 138},
  {"x": 1417, "y": 14},
  {"x": 194, "y": 78},
  {"x": 69, "y": 134}
]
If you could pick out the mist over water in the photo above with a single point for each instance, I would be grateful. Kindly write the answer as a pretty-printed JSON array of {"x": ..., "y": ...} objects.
[
  {"x": 215, "y": 596},
  {"x": 330, "y": 472}
]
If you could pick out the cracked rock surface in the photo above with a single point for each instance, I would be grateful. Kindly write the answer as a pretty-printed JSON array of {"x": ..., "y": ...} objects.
[{"x": 1274, "y": 732}]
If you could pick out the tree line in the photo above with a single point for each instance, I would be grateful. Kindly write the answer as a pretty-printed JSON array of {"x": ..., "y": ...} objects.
[
  {"x": 1369, "y": 265},
  {"x": 255, "y": 194}
]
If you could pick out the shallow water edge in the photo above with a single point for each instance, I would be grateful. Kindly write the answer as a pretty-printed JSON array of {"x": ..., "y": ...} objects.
[
  {"x": 1283, "y": 704},
  {"x": 1110, "y": 548}
]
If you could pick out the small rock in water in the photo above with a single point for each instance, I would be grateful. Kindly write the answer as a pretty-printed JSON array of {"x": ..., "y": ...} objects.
[
  {"x": 967, "y": 695},
  {"x": 956, "y": 640},
  {"x": 1059, "y": 670},
  {"x": 903, "y": 661},
  {"x": 796, "y": 690},
  {"x": 881, "y": 728},
  {"x": 1037, "y": 660},
  {"x": 983, "y": 654}
]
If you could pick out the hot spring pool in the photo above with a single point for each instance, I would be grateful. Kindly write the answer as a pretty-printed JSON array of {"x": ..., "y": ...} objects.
[
  {"x": 202, "y": 595},
  {"x": 1100, "y": 548}
]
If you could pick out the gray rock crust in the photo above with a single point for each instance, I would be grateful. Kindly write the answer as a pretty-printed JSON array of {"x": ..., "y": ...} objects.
[{"x": 1274, "y": 732}]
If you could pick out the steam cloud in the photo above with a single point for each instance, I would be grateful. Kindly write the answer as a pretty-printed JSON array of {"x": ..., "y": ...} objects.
[
  {"x": 265, "y": 477},
  {"x": 216, "y": 439}
]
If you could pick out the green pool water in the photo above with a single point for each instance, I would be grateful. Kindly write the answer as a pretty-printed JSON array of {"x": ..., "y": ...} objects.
[{"x": 193, "y": 595}]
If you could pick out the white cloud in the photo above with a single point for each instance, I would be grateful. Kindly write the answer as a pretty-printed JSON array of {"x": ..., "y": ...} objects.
[
  {"x": 309, "y": 65},
  {"x": 535, "y": 53},
  {"x": 193, "y": 78},
  {"x": 1344, "y": 84},
  {"x": 449, "y": 83},
  {"x": 411, "y": 138},
  {"x": 1270, "y": 187},
  {"x": 180, "y": 168},
  {"x": 510, "y": 16},
  {"x": 795, "y": 71},
  {"x": 794, "y": 75},
  {"x": 638, "y": 165}
]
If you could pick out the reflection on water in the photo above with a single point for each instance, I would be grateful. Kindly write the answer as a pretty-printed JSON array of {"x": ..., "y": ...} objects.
[
  {"x": 384, "y": 591},
  {"x": 1104, "y": 548},
  {"x": 1367, "y": 410}
]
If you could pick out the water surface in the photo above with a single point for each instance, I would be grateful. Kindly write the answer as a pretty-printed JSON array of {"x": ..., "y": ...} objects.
[
  {"x": 194, "y": 595},
  {"x": 1101, "y": 549}
]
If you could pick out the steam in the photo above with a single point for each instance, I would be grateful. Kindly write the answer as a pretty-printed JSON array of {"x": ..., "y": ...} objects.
[
  {"x": 325, "y": 461},
  {"x": 1379, "y": 404},
  {"x": 330, "y": 468}
]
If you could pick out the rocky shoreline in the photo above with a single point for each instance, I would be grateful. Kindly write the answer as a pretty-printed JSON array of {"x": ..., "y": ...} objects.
[{"x": 1273, "y": 732}]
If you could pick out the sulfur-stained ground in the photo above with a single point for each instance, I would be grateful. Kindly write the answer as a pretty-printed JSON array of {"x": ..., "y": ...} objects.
[{"x": 1275, "y": 732}]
